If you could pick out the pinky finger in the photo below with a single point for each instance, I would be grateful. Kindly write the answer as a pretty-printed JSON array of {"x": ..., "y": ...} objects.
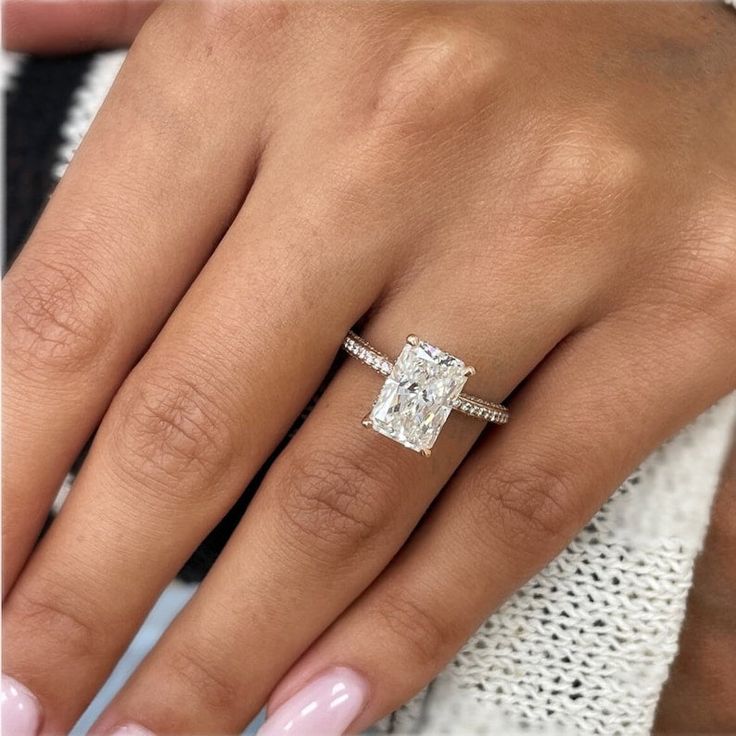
[
  {"x": 68, "y": 26},
  {"x": 515, "y": 503}
]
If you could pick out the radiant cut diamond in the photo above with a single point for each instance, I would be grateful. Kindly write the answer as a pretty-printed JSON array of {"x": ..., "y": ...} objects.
[{"x": 418, "y": 395}]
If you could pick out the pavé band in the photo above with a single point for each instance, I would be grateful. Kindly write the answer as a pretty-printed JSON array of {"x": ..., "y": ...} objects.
[{"x": 422, "y": 386}]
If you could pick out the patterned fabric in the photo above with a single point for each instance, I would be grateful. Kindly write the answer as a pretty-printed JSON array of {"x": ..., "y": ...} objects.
[
  {"x": 37, "y": 97},
  {"x": 584, "y": 648}
]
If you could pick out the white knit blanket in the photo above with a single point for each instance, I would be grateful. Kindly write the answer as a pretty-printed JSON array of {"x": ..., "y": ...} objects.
[{"x": 584, "y": 648}]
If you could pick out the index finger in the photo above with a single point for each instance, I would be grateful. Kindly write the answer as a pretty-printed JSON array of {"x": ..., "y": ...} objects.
[{"x": 133, "y": 220}]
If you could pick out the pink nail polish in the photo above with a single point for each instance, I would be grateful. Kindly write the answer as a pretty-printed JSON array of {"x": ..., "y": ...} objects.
[
  {"x": 131, "y": 729},
  {"x": 326, "y": 706},
  {"x": 20, "y": 712}
]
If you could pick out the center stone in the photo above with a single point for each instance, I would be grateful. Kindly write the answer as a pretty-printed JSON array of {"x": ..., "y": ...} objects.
[{"x": 417, "y": 396}]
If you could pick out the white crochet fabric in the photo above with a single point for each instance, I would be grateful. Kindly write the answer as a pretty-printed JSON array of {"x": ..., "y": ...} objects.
[
  {"x": 10, "y": 65},
  {"x": 584, "y": 647}
]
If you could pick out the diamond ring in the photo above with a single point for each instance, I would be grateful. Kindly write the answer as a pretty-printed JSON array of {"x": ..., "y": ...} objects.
[{"x": 422, "y": 387}]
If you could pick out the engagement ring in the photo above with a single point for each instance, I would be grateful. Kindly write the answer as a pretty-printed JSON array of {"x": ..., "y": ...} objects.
[{"x": 422, "y": 387}]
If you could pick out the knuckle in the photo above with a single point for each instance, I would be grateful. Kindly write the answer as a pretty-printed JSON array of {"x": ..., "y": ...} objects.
[
  {"x": 700, "y": 280},
  {"x": 55, "y": 317},
  {"x": 585, "y": 160},
  {"x": 199, "y": 672},
  {"x": 423, "y": 636},
  {"x": 331, "y": 503},
  {"x": 454, "y": 59},
  {"x": 223, "y": 18},
  {"x": 170, "y": 429},
  {"x": 55, "y": 611},
  {"x": 214, "y": 26},
  {"x": 527, "y": 504},
  {"x": 713, "y": 232}
]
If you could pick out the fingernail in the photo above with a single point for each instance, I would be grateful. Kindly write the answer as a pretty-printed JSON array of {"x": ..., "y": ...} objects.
[
  {"x": 20, "y": 712},
  {"x": 131, "y": 729},
  {"x": 326, "y": 706}
]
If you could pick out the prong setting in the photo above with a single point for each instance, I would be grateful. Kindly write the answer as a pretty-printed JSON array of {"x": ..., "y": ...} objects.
[{"x": 422, "y": 386}]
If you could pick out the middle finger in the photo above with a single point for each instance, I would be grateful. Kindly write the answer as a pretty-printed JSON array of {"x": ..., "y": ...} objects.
[
  {"x": 232, "y": 368},
  {"x": 333, "y": 510}
]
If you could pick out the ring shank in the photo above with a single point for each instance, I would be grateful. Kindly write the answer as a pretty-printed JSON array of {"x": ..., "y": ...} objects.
[{"x": 487, "y": 411}]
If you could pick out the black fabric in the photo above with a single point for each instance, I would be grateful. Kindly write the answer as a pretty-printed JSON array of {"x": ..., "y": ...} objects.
[{"x": 37, "y": 106}]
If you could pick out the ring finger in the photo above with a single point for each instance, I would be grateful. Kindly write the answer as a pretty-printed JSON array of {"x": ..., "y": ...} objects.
[
  {"x": 332, "y": 511},
  {"x": 512, "y": 506}
]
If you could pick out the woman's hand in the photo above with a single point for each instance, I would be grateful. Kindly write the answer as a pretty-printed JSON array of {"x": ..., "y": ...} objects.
[{"x": 548, "y": 192}]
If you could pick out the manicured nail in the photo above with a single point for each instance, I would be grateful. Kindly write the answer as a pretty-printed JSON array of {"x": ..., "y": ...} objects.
[
  {"x": 131, "y": 729},
  {"x": 326, "y": 706},
  {"x": 20, "y": 712}
]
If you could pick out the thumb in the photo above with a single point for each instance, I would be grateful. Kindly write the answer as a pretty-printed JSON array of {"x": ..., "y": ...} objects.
[{"x": 68, "y": 26}]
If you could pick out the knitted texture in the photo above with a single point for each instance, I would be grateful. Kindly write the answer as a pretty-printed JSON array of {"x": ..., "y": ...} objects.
[
  {"x": 87, "y": 101},
  {"x": 9, "y": 66},
  {"x": 584, "y": 648}
]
